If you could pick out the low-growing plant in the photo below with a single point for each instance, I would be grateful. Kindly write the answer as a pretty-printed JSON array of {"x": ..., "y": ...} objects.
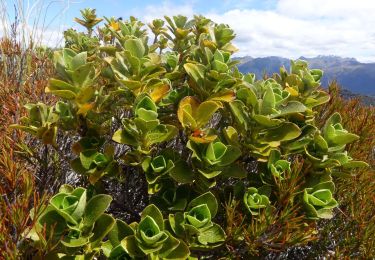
[{"x": 178, "y": 112}]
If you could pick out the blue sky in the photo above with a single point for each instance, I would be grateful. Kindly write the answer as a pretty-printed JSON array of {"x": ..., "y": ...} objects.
[{"x": 287, "y": 28}]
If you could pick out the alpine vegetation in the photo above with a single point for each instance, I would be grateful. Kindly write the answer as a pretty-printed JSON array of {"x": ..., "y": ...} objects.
[{"x": 228, "y": 159}]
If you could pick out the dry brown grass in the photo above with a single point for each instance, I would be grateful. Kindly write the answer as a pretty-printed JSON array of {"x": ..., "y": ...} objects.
[
  {"x": 23, "y": 77},
  {"x": 354, "y": 226}
]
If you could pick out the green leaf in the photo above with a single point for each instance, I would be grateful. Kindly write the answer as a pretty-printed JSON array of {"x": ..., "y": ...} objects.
[
  {"x": 130, "y": 245},
  {"x": 238, "y": 110},
  {"x": 78, "y": 60},
  {"x": 149, "y": 233},
  {"x": 160, "y": 134},
  {"x": 206, "y": 198},
  {"x": 214, "y": 234},
  {"x": 247, "y": 95},
  {"x": 80, "y": 208},
  {"x": 284, "y": 132},
  {"x": 66, "y": 94},
  {"x": 84, "y": 75},
  {"x": 266, "y": 121},
  {"x": 66, "y": 188},
  {"x": 199, "y": 216},
  {"x": 176, "y": 223},
  {"x": 186, "y": 111},
  {"x": 119, "y": 231},
  {"x": 268, "y": 102},
  {"x": 153, "y": 212},
  {"x": 292, "y": 107},
  {"x": 135, "y": 47},
  {"x": 182, "y": 173},
  {"x": 195, "y": 71},
  {"x": 55, "y": 224},
  {"x": 96, "y": 206},
  {"x": 123, "y": 137},
  {"x": 55, "y": 84},
  {"x": 75, "y": 242},
  {"x": 87, "y": 158},
  {"x": 169, "y": 246},
  {"x": 85, "y": 95},
  {"x": 224, "y": 95},
  {"x": 232, "y": 153},
  {"x": 205, "y": 111},
  {"x": 102, "y": 227},
  {"x": 234, "y": 170},
  {"x": 355, "y": 164},
  {"x": 181, "y": 252}
]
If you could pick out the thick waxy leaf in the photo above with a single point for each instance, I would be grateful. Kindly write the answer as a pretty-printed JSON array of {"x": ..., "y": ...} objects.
[
  {"x": 238, "y": 110},
  {"x": 195, "y": 71},
  {"x": 205, "y": 112},
  {"x": 119, "y": 231},
  {"x": 130, "y": 245},
  {"x": 81, "y": 205},
  {"x": 284, "y": 132},
  {"x": 85, "y": 95},
  {"x": 123, "y": 137},
  {"x": 96, "y": 206},
  {"x": 247, "y": 96},
  {"x": 231, "y": 154},
  {"x": 268, "y": 102},
  {"x": 181, "y": 252},
  {"x": 75, "y": 242},
  {"x": 160, "y": 92},
  {"x": 255, "y": 200},
  {"x": 153, "y": 212},
  {"x": 182, "y": 173},
  {"x": 55, "y": 224},
  {"x": 55, "y": 84},
  {"x": 215, "y": 151},
  {"x": 291, "y": 108},
  {"x": 355, "y": 164},
  {"x": 160, "y": 134},
  {"x": 169, "y": 246},
  {"x": 149, "y": 230},
  {"x": 87, "y": 158},
  {"x": 224, "y": 95},
  {"x": 318, "y": 201},
  {"x": 102, "y": 227},
  {"x": 186, "y": 111},
  {"x": 212, "y": 235},
  {"x": 66, "y": 188},
  {"x": 135, "y": 47},
  {"x": 84, "y": 75},
  {"x": 234, "y": 170},
  {"x": 207, "y": 198},
  {"x": 78, "y": 60},
  {"x": 199, "y": 216}
]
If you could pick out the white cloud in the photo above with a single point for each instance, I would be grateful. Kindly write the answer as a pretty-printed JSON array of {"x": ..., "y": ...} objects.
[
  {"x": 305, "y": 28},
  {"x": 293, "y": 28}
]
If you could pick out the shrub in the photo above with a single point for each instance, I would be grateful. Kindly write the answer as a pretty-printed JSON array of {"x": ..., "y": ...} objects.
[{"x": 178, "y": 111}]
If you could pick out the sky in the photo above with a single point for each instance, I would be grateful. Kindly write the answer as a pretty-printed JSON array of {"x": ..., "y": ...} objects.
[{"x": 286, "y": 28}]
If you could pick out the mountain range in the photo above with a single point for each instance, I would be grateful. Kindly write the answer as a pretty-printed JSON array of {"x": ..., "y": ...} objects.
[{"x": 354, "y": 76}]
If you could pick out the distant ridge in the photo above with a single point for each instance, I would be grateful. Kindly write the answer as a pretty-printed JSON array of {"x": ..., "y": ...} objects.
[{"x": 352, "y": 75}]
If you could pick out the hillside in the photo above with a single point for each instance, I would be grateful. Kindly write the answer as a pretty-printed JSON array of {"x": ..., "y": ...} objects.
[{"x": 354, "y": 76}]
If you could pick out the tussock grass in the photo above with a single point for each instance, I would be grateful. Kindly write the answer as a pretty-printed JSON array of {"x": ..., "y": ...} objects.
[{"x": 25, "y": 67}]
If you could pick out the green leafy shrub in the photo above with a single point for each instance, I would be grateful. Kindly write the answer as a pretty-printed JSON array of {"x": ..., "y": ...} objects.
[
  {"x": 178, "y": 112},
  {"x": 74, "y": 222}
]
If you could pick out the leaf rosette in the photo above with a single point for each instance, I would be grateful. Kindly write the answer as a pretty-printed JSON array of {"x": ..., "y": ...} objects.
[{"x": 255, "y": 200}]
